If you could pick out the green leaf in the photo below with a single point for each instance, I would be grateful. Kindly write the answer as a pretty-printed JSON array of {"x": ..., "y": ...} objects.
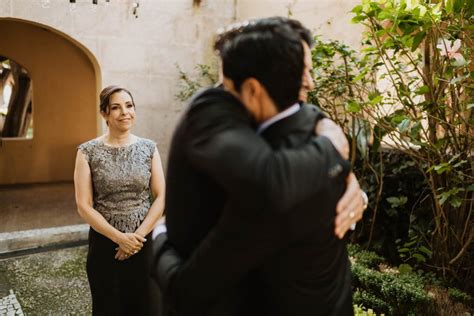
[
  {"x": 396, "y": 117},
  {"x": 397, "y": 201},
  {"x": 375, "y": 98},
  {"x": 401, "y": 250},
  {"x": 470, "y": 187},
  {"x": 359, "y": 76},
  {"x": 425, "y": 250},
  {"x": 380, "y": 33},
  {"x": 442, "y": 167},
  {"x": 451, "y": 195},
  {"x": 404, "y": 125},
  {"x": 417, "y": 40},
  {"x": 419, "y": 257},
  {"x": 369, "y": 49},
  {"x": 353, "y": 106},
  {"x": 357, "y": 19},
  {"x": 470, "y": 105},
  {"x": 459, "y": 164},
  {"x": 449, "y": 6},
  {"x": 357, "y": 9},
  {"x": 384, "y": 15},
  {"x": 405, "y": 268},
  {"x": 410, "y": 243},
  {"x": 455, "y": 201},
  {"x": 422, "y": 90}
]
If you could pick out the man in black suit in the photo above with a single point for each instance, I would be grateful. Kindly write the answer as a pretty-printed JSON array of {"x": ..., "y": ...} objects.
[{"x": 235, "y": 193}]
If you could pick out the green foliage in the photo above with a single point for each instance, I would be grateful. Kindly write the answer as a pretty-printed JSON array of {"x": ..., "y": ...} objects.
[
  {"x": 363, "y": 257},
  {"x": 458, "y": 295},
  {"x": 401, "y": 293},
  {"x": 411, "y": 87},
  {"x": 360, "y": 310},
  {"x": 390, "y": 291},
  {"x": 398, "y": 208},
  {"x": 362, "y": 297},
  {"x": 413, "y": 251}
]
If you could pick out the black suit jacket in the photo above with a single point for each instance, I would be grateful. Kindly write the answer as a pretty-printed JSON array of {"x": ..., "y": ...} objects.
[
  {"x": 221, "y": 178},
  {"x": 309, "y": 273}
]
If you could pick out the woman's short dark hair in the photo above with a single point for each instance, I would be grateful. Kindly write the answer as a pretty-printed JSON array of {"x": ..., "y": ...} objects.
[
  {"x": 107, "y": 92},
  {"x": 269, "y": 50}
]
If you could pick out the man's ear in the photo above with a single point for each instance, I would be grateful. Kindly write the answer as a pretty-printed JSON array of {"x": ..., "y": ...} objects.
[
  {"x": 251, "y": 89},
  {"x": 251, "y": 94}
]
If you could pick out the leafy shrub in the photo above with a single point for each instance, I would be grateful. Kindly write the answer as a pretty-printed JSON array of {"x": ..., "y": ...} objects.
[
  {"x": 387, "y": 292},
  {"x": 367, "y": 299},
  {"x": 360, "y": 310},
  {"x": 458, "y": 295},
  {"x": 365, "y": 258}
]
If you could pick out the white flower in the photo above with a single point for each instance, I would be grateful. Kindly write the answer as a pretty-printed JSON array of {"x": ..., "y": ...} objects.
[{"x": 451, "y": 50}]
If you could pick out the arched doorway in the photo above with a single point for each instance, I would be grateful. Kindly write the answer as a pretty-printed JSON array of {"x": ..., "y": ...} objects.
[{"x": 66, "y": 80}]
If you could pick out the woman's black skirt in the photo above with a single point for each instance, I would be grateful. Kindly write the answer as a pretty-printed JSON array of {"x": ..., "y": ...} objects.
[{"x": 120, "y": 287}]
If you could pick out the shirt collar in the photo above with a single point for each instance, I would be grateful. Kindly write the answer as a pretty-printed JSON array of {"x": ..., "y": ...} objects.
[{"x": 283, "y": 114}]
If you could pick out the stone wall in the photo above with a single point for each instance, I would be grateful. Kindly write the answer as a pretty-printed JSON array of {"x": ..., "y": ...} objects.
[
  {"x": 329, "y": 18},
  {"x": 142, "y": 52}
]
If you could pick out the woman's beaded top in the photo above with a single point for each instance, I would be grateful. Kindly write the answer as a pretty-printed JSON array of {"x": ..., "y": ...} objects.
[{"x": 121, "y": 181}]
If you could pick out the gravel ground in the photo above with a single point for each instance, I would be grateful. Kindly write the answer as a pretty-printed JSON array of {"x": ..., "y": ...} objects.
[{"x": 49, "y": 283}]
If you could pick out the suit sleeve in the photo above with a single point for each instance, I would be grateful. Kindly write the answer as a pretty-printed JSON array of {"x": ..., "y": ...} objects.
[
  {"x": 235, "y": 246},
  {"x": 229, "y": 150}
]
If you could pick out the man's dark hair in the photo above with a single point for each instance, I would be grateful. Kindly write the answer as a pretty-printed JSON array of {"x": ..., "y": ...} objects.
[
  {"x": 269, "y": 50},
  {"x": 233, "y": 30},
  {"x": 304, "y": 33}
]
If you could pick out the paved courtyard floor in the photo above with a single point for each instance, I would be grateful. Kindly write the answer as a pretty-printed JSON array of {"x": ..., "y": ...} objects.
[
  {"x": 47, "y": 283},
  {"x": 33, "y": 206}
]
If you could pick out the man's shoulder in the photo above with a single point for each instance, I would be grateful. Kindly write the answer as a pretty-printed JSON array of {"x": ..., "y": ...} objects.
[
  {"x": 215, "y": 104},
  {"x": 312, "y": 110},
  {"x": 309, "y": 107},
  {"x": 211, "y": 95}
]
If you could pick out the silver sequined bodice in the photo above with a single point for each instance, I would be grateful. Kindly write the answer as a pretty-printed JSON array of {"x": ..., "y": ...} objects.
[{"x": 121, "y": 181}]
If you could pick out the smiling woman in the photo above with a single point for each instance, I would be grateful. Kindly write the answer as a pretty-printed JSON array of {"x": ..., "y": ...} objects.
[
  {"x": 120, "y": 189},
  {"x": 118, "y": 110},
  {"x": 16, "y": 109}
]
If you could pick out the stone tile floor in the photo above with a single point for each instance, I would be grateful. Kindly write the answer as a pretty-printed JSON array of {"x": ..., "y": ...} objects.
[
  {"x": 46, "y": 283},
  {"x": 9, "y": 305}
]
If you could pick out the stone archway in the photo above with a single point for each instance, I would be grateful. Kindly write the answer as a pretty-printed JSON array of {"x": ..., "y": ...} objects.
[{"x": 66, "y": 80}]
